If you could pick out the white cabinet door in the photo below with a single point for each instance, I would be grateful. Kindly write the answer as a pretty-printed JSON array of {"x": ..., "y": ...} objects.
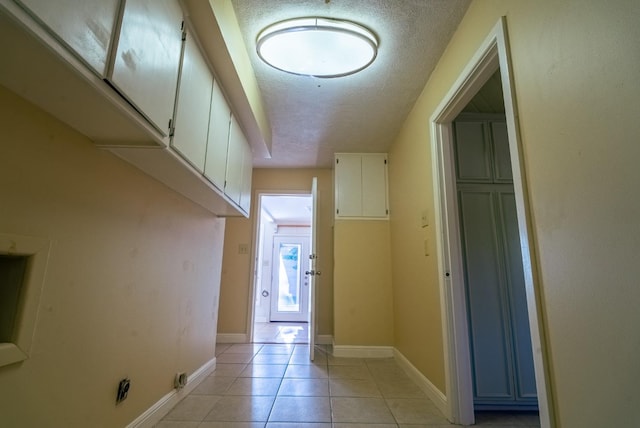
[
  {"x": 215, "y": 167},
  {"x": 233, "y": 180},
  {"x": 147, "y": 59},
  {"x": 361, "y": 185},
  {"x": 348, "y": 185},
  {"x": 247, "y": 171},
  {"x": 85, "y": 26},
  {"x": 374, "y": 185},
  {"x": 192, "y": 106}
]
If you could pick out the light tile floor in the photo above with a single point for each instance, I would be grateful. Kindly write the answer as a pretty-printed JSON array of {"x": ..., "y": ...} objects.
[
  {"x": 281, "y": 332},
  {"x": 276, "y": 386}
]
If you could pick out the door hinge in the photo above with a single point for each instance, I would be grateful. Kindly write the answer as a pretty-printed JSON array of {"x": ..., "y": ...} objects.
[
  {"x": 337, "y": 211},
  {"x": 172, "y": 128},
  {"x": 387, "y": 212},
  {"x": 184, "y": 32},
  {"x": 337, "y": 160},
  {"x": 385, "y": 161}
]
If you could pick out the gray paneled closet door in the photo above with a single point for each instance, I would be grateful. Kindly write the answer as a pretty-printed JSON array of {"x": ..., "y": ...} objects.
[{"x": 501, "y": 355}]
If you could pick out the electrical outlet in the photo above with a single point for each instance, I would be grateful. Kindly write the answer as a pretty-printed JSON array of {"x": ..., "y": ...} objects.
[
  {"x": 123, "y": 390},
  {"x": 180, "y": 380},
  {"x": 243, "y": 249}
]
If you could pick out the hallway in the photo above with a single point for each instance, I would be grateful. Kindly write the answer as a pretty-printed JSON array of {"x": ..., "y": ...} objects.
[
  {"x": 276, "y": 385},
  {"x": 280, "y": 332}
]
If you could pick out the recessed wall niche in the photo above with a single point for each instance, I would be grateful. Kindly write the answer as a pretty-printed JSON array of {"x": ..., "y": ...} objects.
[
  {"x": 12, "y": 275},
  {"x": 23, "y": 265}
]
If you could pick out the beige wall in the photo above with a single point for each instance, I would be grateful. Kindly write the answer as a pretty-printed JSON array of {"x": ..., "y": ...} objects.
[
  {"x": 575, "y": 68},
  {"x": 132, "y": 282},
  {"x": 236, "y": 268},
  {"x": 363, "y": 300}
]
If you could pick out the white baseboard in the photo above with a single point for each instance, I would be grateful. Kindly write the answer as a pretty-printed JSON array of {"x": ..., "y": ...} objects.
[
  {"x": 155, "y": 413},
  {"x": 324, "y": 339},
  {"x": 351, "y": 351},
  {"x": 434, "y": 394},
  {"x": 231, "y": 338}
]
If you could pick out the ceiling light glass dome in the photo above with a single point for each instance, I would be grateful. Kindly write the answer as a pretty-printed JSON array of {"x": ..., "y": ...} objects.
[{"x": 319, "y": 47}]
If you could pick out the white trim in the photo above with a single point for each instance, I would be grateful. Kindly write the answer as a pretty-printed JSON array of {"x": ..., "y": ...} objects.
[
  {"x": 157, "y": 411},
  {"x": 351, "y": 351},
  {"x": 493, "y": 54},
  {"x": 324, "y": 339},
  {"x": 435, "y": 395},
  {"x": 231, "y": 338},
  {"x": 37, "y": 249}
]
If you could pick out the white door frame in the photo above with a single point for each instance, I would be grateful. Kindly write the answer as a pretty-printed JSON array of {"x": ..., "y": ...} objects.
[
  {"x": 493, "y": 54},
  {"x": 255, "y": 230}
]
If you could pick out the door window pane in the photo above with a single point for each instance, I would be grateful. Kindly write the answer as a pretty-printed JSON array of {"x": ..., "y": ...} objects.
[{"x": 289, "y": 278}]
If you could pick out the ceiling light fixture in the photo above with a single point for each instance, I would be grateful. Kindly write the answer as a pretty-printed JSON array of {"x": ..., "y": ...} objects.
[{"x": 319, "y": 47}]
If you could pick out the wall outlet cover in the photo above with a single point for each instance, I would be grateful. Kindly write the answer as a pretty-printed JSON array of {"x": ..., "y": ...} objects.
[{"x": 123, "y": 390}]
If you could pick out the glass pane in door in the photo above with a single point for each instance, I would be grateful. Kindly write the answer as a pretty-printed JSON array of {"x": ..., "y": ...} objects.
[{"x": 289, "y": 277}]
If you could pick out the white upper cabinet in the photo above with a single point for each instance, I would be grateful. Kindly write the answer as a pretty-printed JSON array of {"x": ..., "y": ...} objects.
[
  {"x": 215, "y": 168},
  {"x": 191, "y": 121},
  {"x": 348, "y": 185},
  {"x": 128, "y": 75},
  {"x": 84, "y": 26},
  {"x": 239, "y": 168},
  {"x": 147, "y": 59},
  {"x": 374, "y": 185},
  {"x": 233, "y": 179},
  {"x": 361, "y": 185},
  {"x": 247, "y": 171}
]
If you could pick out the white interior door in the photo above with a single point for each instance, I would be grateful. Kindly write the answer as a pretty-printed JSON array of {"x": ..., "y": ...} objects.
[
  {"x": 289, "y": 284},
  {"x": 313, "y": 264}
]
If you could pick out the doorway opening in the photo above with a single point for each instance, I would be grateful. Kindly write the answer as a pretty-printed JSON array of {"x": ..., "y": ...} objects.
[
  {"x": 492, "y": 56},
  {"x": 281, "y": 300},
  {"x": 501, "y": 356}
]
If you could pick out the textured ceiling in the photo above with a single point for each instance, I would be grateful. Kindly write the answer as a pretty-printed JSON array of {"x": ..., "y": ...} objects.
[{"x": 313, "y": 118}]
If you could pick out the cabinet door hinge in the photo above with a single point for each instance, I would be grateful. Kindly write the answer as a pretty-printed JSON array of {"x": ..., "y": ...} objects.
[
  {"x": 387, "y": 211},
  {"x": 385, "y": 161},
  {"x": 337, "y": 211},
  {"x": 337, "y": 160},
  {"x": 172, "y": 129}
]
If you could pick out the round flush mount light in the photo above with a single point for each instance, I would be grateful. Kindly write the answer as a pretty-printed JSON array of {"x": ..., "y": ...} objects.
[{"x": 319, "y": 47}]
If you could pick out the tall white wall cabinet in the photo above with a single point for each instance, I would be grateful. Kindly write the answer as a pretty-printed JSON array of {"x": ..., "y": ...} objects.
[
  {"x": 502, "y": 358},
  {"x": 132, "y": 77},
  {"x": 361, "y": 186}
]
